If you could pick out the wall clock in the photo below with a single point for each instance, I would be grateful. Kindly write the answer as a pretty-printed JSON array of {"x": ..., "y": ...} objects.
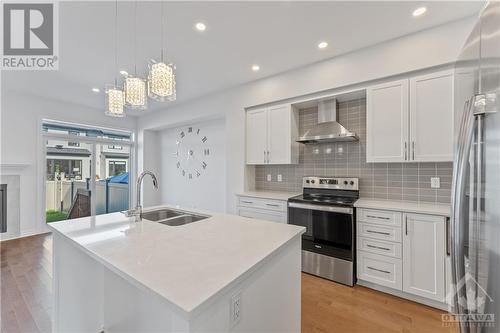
[{"x": 191, "y": 153}]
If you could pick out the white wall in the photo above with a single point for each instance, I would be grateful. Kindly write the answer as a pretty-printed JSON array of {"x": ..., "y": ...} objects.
[
  {"x": 429, "y": 48},
  {"x": 20, "y": 139},
  {"x": 206, "y": 191}
]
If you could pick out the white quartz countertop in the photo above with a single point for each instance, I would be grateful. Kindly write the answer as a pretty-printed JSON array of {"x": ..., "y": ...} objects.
[
  {"x": 405, "y": 206},
  {"x": 276, "y": 195},
  {"x": 187, "y": 265}
]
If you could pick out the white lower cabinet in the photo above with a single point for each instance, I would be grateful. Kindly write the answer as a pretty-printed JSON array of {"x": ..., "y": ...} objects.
[
  {"x": 402, "y": 251},
  {"x": 263, "y": 209},
  {"x": 424, "y": 252},
  {"x": 379, "y": 269}
]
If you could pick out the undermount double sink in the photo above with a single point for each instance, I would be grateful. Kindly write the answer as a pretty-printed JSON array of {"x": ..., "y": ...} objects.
[{"x": 172, "y": 217}]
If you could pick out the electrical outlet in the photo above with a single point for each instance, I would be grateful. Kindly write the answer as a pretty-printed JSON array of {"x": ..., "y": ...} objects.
[
  {"x": 269, "y": 177},
  {"x": 435, "y": 182},
  {"x": 235, "y": 308},
  {"x": 280, "y": 178}
]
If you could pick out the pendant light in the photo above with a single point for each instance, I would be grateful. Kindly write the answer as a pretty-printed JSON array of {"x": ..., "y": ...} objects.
[
  {"x": 115, "y": 98},
  {"x": 135, "y": 86},
  {"x": 161, "y": 77}
]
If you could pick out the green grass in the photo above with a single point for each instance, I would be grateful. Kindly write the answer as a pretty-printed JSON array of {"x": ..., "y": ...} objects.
[{"x": 54, "y": 215}]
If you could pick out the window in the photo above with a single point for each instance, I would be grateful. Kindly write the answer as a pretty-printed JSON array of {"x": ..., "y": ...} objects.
[
  {"x": 64, "y": 169},
  {"x": 117, "y": 168},
  {"x": 81, "y": 131},
  {"x": 74, "y": 143},
  {"x": 79, "y": 160}
]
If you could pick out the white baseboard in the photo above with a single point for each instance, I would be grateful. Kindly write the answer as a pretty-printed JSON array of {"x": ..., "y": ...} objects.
[
  {"x": 27, "y": 233},
  {"x": 402, "y": 294}
]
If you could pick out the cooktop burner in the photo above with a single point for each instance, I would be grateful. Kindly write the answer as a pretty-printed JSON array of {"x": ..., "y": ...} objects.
[
  {"x": 325, "y": 199},
  {"x": 328, "y": 191}
]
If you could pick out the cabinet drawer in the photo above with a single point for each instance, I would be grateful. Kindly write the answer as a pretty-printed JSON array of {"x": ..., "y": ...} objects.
[
  {"x": 379, "y": 247},
  {"x": 379, "y": 232},
  {"x": 383, "y": 217},
  {"x": 277, "y": 205},
  {"x": 382, "y": 270},
  {"x": 261, "y": 214}
]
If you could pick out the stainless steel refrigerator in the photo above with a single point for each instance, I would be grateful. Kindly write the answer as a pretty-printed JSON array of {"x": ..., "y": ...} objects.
[{"x": 475, "y": 227}]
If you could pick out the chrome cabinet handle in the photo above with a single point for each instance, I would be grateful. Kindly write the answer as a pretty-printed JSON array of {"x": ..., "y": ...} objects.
[
  {"x": 406, "y": 225},
  {"x": 272, "y": 205},
  {"x": 378, "y": 217},
  {"x": 379, "y": 232},
  {"x": 268, "y": 156},
  {"x": 378, "y": 270},
  {"x": 247, "y": 202},
  {"x": 448, "y": 235},
  {"x": 265, "y": 160},
  {"x": 406, "y": 151},
  {"x": 413, "y": 150},
  {"x": 378, "y": 247}
]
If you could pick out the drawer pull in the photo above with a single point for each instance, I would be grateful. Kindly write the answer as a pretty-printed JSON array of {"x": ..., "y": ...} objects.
[
  {"x": 379, "y": 232},
  {"x": 378, "y": 247},
  {"x": 247, "y": 202},
  {"x": 378, "y": 270},
  {"x": 272, "y": 205},
  {"x": 378, "y": 217}
]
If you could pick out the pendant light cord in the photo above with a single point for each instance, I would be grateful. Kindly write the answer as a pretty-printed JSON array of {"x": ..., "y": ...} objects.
[
  {"x": 162, "y": 32},
  {"x": 116, "y": 42},
  {"x": 135, "y": 37}
]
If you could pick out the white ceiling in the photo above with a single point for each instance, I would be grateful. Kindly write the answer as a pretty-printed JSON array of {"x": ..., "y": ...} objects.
[{"x": 276, "y": 35}]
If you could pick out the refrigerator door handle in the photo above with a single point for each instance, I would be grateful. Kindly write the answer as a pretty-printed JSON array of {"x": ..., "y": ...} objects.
[{"x": 458, "y": 220}]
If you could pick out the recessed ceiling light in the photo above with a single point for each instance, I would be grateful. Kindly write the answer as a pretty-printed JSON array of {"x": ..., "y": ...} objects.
[
  {"x": 200, "y": 26},
  {"x": 96, "y": 90},
  {"x": 322, "y": 45},
  {"x": 255, "y": 68},
  {"x": 122, "y": 72},
  {"x": 419, "y": 11}
]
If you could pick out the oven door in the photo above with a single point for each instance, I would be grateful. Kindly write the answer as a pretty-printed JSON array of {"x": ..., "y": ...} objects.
[{"x": 329, "y": 229}]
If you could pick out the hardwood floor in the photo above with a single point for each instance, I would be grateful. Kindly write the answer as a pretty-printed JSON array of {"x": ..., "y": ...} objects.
[
  {"x": 26, "y": 304},
  {"x": 26, "y": 277}
]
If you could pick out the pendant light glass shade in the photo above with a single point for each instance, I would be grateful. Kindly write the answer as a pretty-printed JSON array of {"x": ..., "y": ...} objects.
[
  {"x": 135, "y": 93},
  {"x": 115, "y": 100},
  {"x": 161, "y": 81}
]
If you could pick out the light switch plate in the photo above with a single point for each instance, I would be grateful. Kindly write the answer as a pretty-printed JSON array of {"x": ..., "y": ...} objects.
[
  {"x": 435, "y": 182},
  {"x": 280, "y": 178},
  {"x": 269, "y": 177}
]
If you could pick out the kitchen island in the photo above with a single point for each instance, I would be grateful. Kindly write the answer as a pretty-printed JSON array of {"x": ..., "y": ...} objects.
[{"x": 223, "y": 273}]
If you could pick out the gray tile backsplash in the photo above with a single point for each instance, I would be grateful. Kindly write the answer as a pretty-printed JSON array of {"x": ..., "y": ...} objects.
[{"x": 396, "y": 181}]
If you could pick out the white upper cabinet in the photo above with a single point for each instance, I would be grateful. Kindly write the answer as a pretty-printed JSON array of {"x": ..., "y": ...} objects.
[
  {"x": 256, "y": 139},
  {"x": 271, "y": 135},
  {"x": 431, "y": 117},
  {"x": 424, "y": 256},
  {"x": 411, "y": 120},
  {"x": 387, "y": 122}
]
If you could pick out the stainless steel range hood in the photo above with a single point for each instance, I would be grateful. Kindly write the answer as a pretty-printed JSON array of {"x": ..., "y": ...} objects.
[{"x": 327, "y": 129}]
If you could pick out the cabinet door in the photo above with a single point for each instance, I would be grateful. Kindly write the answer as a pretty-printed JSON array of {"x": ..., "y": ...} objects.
[
  {"x": 387, "y": 122},
  {"x": 256, "y": 138},
  {"x": 424, "y": 256},
  {"x": 279, "y": 137},
  {"x": 431, "y": 117}
]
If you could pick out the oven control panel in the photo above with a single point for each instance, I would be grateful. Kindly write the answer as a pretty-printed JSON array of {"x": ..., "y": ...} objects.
[{"x": 331, "y": 183}]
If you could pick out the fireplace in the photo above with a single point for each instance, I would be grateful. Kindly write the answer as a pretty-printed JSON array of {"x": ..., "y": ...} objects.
[{"x": 3, "y": 208}]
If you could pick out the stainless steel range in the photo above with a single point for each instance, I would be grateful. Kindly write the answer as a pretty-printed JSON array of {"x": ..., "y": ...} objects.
[{"x": 326, "y": 209}]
